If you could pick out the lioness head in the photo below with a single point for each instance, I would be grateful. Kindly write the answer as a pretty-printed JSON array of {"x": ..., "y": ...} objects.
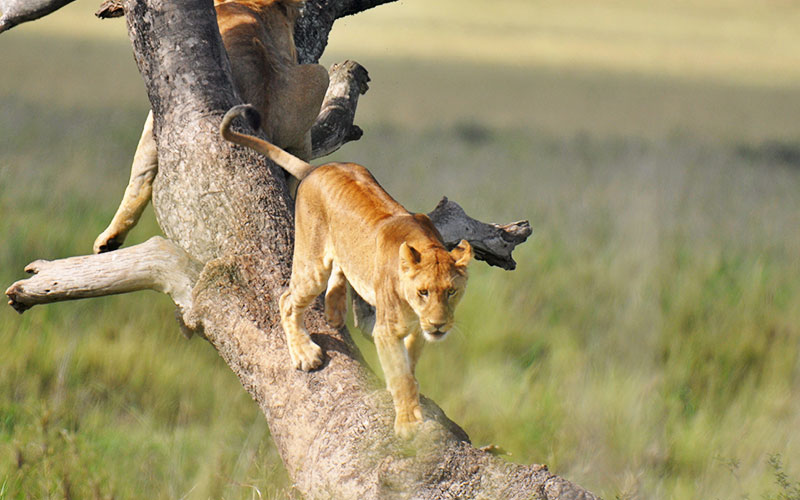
[{"x": 433, "y": 281}]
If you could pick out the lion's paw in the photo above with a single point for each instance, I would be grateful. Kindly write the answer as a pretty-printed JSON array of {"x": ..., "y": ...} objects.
[
  {"x": 406, "y": 425},
  {"x": 335, "y": 316},
  {"x": 106, "y": 242},
  {"x": 406, "y": 430},
  {"x": 306, "y": 356},
  {"x": 335, "y": 309}
]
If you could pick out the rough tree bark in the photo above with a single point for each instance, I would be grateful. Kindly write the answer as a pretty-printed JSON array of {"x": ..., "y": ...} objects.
[{"x": 227, "y": 210}]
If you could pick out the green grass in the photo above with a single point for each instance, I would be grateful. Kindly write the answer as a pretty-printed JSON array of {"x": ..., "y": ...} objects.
[{"x": 647, "y": 346}]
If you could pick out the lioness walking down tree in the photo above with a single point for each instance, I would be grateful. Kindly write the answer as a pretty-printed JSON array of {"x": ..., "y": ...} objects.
[{"x": 348, "y": 229}]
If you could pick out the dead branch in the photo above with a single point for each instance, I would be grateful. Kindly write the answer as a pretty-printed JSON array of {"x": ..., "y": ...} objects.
[
  {"x": 19, "y": 11},
  {"x": 334, "y": 126},
  {"x": 311, "y": 30},
  {"x": 492, "y": 243},
  {"x": 156, "y": 264}
]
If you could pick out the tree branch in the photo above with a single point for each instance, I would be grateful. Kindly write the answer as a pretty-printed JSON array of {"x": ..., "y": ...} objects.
[
  {"x": 334, "y": 126},
  {"x": 492, "y": 243},
  {"x": 20, "y": 11},
  {"x": 156, "y": 264},
  {"x": 312, "y": 29}
]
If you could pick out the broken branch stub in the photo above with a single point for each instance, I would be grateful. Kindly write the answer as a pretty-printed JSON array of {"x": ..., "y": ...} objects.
[
  {"x": 334, "y": 125},
  {"x": 492, "y": 243},
  {"x": 109, "y": 9}
]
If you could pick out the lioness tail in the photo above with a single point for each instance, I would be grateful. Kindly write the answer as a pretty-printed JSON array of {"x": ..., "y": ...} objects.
[{"x": 292, "y": 164}]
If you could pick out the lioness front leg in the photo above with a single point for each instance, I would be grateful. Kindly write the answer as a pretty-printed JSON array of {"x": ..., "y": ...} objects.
[
  {"x": 306, "y": 284},
  {"x": 414, "y": 344},
  {"x": 137, "y": 194},
  {"x": 399, "y": 379}
]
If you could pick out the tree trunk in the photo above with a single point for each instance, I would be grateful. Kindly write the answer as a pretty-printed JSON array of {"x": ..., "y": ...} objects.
[{"x": 230, "y": 211}]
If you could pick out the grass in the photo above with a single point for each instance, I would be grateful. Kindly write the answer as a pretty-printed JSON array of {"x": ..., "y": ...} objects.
[{"x": 647, "y": 346}]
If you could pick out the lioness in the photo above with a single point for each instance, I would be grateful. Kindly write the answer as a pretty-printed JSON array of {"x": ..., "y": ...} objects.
[
  {"x": 348, "y": 229},
  {"x": 259, "y": 38}
]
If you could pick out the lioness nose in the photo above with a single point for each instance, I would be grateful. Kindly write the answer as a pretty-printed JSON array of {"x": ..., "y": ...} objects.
[{"x": 439, "y": 326}]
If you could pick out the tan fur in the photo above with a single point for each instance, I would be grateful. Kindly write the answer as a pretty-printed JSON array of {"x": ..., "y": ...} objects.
[
  {"x": 348, "y": 229},
  {"x": 259, "y": 38}
]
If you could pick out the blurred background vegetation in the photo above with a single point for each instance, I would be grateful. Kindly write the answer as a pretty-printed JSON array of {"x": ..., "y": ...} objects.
[{"x": 647, "y": 346}]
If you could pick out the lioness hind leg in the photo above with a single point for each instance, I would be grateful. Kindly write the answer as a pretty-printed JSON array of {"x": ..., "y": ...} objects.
[
  {"x": 137, "y": 194},
  {"x": 305, "y": 286},
  {"x": 336, "y": 298}
]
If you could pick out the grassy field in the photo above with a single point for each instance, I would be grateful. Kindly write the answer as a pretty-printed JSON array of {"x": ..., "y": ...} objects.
[{"x": 647, "y": 346}]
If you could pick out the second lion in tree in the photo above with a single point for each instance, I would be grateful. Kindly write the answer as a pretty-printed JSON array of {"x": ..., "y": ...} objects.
[{"x": 348, "y": 229}]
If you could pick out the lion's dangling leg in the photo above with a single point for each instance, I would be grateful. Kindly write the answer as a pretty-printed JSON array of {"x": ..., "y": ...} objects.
[
  {"x": 137, "y": 194},
  {"x": 307, "y": 283},
  {"x": 336, "y": 298}
]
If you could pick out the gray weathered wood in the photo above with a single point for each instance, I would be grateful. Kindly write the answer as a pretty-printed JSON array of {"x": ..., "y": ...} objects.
[
  {"x": 492, "y": 243},
  {"x": 312, "y": 29},
  {"x": 334, "y": 125}
]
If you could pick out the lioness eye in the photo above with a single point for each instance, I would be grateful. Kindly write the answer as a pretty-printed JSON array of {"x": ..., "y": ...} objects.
[
  {"x": 451, "y": 292},
  {"x": 422, "y": 293}
]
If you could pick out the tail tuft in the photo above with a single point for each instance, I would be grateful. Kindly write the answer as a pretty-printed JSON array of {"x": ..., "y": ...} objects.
[
  {"x": 287, "y": 161},
  {"x": 246, "y": 111},
  {"x": 253, "y": 117}
]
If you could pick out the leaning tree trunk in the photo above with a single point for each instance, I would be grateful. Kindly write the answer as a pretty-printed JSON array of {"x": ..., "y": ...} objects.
[{"x": 226, "y": 212}]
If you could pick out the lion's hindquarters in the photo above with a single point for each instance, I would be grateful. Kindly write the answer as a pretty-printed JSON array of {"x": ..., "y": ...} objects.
[{"x": 300, "y": 105}]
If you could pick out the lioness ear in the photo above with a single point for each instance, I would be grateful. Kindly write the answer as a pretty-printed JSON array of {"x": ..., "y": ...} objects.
[
  {"x": 409, "y": 257},
  {"x": 462, "y": 253}
]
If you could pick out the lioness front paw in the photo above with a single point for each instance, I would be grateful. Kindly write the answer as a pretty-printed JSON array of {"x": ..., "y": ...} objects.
[
  {"x": 406, "y": 430},
  {"x": 407, "y": 424},
  {"x": 306, "y": 356}
]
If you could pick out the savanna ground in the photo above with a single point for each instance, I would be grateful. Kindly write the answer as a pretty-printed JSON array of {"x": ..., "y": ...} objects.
[{"x": 647, "y": 346}]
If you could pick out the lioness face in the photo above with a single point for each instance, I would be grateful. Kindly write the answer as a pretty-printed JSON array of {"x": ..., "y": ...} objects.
[{"x": 433, "y": 282}]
